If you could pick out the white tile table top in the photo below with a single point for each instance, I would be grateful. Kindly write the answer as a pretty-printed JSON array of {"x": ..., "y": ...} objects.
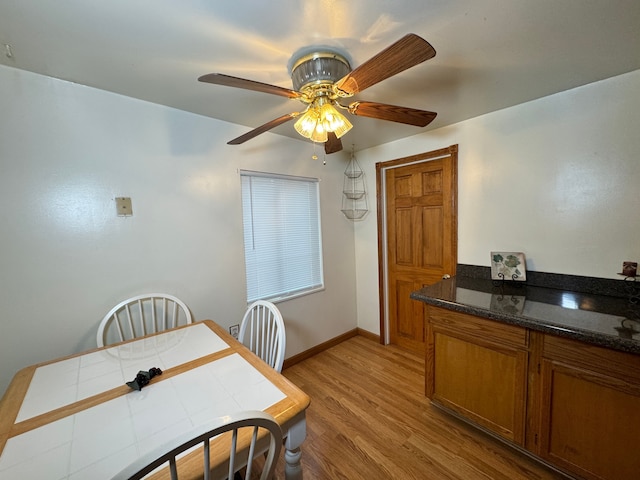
[
  {"x": 98, "y": 442},
  {"x": 62, "y": 383}
]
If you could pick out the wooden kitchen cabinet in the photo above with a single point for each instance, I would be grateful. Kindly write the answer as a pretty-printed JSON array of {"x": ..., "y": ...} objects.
[
  {"x": 574, "y": 405},
  {"x": 589, "y": 419},
  {"x": 478, "y": 369}
]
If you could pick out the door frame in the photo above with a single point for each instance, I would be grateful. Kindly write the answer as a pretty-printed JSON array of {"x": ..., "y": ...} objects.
[{"x": 383, "y": 268}]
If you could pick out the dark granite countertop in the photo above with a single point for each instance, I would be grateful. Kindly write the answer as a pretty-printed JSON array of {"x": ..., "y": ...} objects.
[{"x": 604, "y": 320}]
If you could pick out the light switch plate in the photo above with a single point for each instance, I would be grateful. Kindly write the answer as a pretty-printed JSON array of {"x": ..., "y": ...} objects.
[{"x": 123, "y": 205}]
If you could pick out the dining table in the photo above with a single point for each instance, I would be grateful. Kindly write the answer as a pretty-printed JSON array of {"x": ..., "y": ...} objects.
[{"x": 75, "y": 418}]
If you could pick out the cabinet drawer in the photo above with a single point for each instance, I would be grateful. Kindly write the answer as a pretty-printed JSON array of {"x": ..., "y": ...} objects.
[
  {"x": 469, "y": 326},
  {"x": 605, "y": 361}
]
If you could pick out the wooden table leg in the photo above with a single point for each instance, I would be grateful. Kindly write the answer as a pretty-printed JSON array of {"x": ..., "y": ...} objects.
[{"x": 296, "y": 434}]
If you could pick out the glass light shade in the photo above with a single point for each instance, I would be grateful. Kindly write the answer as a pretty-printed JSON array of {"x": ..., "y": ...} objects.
[
  {"x": 306, "y": 124},
  {"x": 311, "y": 126},
  {"x": 334, "y": 121},
  {"x": 319, "y": 134}
]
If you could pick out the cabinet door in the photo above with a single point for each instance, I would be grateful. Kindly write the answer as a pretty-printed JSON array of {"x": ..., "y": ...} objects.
[
  {"x": 591, "y": 422},
  {"x": 481, "y": 381},
  {"x": 590, "y": 399}
]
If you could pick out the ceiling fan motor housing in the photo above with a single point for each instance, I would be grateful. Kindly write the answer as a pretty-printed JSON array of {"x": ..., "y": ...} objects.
[{"x": 318, "y": 68}]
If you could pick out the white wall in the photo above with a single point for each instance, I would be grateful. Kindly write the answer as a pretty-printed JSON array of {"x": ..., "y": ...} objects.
[
  {"x": 556, "y": 178},
  {"x": 66, "y": 151}
]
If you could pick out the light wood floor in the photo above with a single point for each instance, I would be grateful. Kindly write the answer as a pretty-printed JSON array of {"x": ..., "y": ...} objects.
[{"x": 369, "y": 419}]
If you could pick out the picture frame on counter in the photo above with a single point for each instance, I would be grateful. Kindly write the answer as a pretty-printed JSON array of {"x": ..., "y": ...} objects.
[{"x": 508, "y": 266}]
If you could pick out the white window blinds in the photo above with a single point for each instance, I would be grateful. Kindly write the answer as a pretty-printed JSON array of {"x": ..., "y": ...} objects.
[{"x": 282, "y": 243}]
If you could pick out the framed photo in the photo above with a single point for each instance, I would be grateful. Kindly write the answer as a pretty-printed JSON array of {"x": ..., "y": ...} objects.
[
  {"x": 508, "y": 266},
  {"x": 629, "y": 269}
]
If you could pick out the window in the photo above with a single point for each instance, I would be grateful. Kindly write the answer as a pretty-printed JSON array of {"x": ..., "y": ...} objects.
[{"x": 282, "y": 244}]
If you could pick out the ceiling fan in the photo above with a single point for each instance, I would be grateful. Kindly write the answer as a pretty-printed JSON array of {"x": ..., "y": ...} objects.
[{"x": 322, "y": 78}]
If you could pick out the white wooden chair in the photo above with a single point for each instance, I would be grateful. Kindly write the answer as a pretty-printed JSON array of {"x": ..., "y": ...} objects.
[
  {"x": 239, "y": 454},
  {"x": 142, "y": 315},
  {"x": 262, "y": 331}
]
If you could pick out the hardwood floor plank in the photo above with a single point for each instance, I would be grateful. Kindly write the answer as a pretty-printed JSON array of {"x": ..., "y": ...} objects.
[{"x": 370, "y": 420}]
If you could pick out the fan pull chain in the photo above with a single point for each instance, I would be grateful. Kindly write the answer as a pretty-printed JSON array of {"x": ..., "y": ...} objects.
[{"x": 315, "y": 156}]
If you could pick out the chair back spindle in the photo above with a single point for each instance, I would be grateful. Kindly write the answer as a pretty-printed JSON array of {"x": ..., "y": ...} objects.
[
  {"x": 262, "y": 331},
  {"x": 142, "y": 315},
  {"x": 239, "y": 453}
]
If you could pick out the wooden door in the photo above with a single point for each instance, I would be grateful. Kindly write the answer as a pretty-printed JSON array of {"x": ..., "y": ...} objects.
[{"x": 421, "y": 237}]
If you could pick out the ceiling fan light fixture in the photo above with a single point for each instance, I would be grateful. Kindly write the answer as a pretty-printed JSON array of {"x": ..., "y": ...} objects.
[
  {"x": 322, "y": 117},
  {"x": 306, "y": 124},
  {"x": 319, "y": 134},
  {"x": 311, "y": 126},
  {"x": 334, "y": 121}
]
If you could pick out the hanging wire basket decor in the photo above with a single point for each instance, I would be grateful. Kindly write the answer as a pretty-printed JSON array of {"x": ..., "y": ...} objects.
[
  {"x": 354, "y": 214},
  {"x": 354, "y": 193}
]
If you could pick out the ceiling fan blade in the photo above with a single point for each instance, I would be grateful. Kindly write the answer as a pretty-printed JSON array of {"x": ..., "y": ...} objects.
[
  {"x": 263, "y": 128},
  {"x": 392, "y": 113},
  {"x": 333, "y": 144},
  {"x": 407, "y": 52},
  {"x": 229, "y": 81}
]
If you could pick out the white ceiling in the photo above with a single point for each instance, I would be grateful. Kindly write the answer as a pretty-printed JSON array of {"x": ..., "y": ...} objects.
[{"x": 491, "y": 54}]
